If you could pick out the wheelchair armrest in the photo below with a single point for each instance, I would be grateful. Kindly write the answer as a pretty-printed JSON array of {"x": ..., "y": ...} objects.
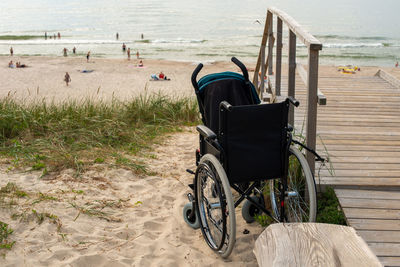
[
  {"x": 225, "y": 105},
  {"x": 206, "y": 132}
]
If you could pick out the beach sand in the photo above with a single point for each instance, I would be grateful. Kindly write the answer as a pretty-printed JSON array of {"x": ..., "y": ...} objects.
[{"x": 113, "y": 217}]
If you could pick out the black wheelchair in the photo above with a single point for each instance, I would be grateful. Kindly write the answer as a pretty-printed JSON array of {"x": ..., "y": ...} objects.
[{"x": 246, "y": 146}]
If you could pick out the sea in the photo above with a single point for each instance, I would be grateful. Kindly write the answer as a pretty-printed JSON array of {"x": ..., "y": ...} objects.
[{"x": 358, "y": 32}]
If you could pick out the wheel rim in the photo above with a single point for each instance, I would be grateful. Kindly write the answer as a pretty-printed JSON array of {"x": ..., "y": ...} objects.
[
  {"x": 298, "y": 196},
  {"x": 212, "y": 206}
]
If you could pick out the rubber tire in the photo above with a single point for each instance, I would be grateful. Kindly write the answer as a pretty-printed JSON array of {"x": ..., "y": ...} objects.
[
  {"x": 309, "y": 177},
  {"x": 231, "y": 230},
  {"x": 186, "y": 211},
  {"x": 247, "y": 209}
]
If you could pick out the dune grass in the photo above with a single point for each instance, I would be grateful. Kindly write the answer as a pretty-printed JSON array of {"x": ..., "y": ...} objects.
[{"x": 76, "y": 134}]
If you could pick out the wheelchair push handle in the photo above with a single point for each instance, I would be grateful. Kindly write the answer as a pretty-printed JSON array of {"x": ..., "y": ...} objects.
[
  {"x": 194, "y": 76},
  {"x": 242, "y": 67},
  {"x": 293, "y": 101}
]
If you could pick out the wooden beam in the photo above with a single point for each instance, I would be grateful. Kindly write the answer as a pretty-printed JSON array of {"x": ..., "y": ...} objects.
[
  {"x": 278, "y": 67},
  {"x": 262, "y": 48},
  {"x": 312, "y": 244},
  {"x": 309, "y": 40},
  {"x": 312, "y": 84},
  {"x": 292, "y": 72}
]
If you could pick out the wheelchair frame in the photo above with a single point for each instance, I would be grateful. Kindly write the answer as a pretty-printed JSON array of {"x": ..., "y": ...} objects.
[{"x": 210, "y": 145}]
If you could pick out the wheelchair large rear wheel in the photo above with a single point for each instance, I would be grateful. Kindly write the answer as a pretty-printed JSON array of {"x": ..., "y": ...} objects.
[
  {"x": 300, "y": 201},
  {"x": 215, "y": 207}
]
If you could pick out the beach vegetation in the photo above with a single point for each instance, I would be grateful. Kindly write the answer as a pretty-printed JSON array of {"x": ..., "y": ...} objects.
[
  {"x": 5, "y": 232},
  {"x": 76, "y": 134},
  {"x": 19, "y": 37}
]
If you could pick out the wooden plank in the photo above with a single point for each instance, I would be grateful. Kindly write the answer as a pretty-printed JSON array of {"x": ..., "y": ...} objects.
[
  {"x": 366, "y": 213},
  {"x": 368, "y": 194},
  {"x": 388, "y": 77},
  {"x": 380, "y": 236},
  {"x": 370, "y": 203},
  {"x": 312, "y": 244},
  {"x": 390, "y": 261},
  {"x": 385, "y": 249},
  {"x": 375, "y": 224}
]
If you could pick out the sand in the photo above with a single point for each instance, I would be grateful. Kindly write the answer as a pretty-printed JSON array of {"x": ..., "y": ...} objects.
[
  {"x": 119, "y": 78},
  {"x": 112, "y": 217},
  {"x": 142, "y": 224}
]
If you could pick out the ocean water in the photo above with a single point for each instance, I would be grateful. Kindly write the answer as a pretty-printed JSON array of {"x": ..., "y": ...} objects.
[{"x": 361, "y": 32}]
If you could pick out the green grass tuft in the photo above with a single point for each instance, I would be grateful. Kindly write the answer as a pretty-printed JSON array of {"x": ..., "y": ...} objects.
[
  {"x": 73, "y": 134},
  {"x": 5, "y": 232}
]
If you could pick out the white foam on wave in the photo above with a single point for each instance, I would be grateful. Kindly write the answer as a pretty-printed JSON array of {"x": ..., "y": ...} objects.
[{"x": 57, "y": 42}]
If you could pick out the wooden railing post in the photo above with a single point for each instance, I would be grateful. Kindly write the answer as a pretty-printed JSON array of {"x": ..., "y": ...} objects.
[
  {"x": 261, "y": 55},
  {"x": 270, "y": 46},
  {"x": 312, "y": 100},
  {"x": 292, "y": 72},
  {"x": 278, "y": 67}
]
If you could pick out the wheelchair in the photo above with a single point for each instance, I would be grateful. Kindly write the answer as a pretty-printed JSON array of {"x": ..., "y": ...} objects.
[{"x": 248, "y": 147}]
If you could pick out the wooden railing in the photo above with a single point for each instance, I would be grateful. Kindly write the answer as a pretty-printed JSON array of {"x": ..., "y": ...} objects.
[{"x": 274, "y": 81}]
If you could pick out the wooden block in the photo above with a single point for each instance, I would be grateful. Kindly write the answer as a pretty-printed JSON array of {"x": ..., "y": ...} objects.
[{"x": 312, "y": 244}]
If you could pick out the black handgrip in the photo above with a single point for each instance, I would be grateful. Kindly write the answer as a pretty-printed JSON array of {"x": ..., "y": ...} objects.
[
  {"x": 242, "y": 67},
  {"x": 194, "y": 76}
]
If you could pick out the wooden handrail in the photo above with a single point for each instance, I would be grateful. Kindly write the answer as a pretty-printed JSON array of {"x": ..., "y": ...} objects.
[
  {"x": 309, "y": 40},
  {"x": 314, "y": 96}
]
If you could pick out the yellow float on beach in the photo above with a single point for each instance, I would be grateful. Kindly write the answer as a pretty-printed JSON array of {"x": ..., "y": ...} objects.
[{"x": 348, "y": 69}]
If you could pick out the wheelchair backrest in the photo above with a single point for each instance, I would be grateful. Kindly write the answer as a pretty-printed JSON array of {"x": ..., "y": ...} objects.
[
  {"x": 226, "y": 86},
  {"x": 254, "y": 139}
]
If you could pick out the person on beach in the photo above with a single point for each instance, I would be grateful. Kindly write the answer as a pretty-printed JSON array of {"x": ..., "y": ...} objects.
[
  {"x": 397, "y": 64},
  {"x": 123, "y": 47},
  {"x": 142, "y": 36},
  {"x": 140, "y": 64},
  {"x": 11, "y": 51},
  {"x": 161, "y": 75},
  {"x": 11, "y": 64},
  {"x": 19, "y": 65},
  {"x": 54, "y": 36},
  {"x": 74, "y": 50},
  {"x": 87, "y": 56},
  {"x": 67, "y": 78},
  {"x": 137, "y": 54},
  {"x": 45, "y": 35},
  {"x": 129, "y": 53},
  {"x": 59, "y": 35},
  {"x": 65, "y": 51},
  {"x": 117, "y": 36}
]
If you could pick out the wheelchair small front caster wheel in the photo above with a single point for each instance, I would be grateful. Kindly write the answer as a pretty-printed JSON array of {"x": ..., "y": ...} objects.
[
  {"x": 249, "y": 210},
  {"x": 192, "y": 222}
]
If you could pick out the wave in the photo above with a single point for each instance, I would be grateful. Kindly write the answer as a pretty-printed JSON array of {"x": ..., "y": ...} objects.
[
  {"x": 178, "y": 40},
  {"x": 57, "y": 41},
  {"x": 355, "y": 45},
  {"x": 345, "y": 37},
  {"x": 353, "y": 56}
]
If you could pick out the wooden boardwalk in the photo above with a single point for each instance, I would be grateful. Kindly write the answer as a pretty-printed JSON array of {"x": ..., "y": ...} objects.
[{"x": 360, "y": 128}]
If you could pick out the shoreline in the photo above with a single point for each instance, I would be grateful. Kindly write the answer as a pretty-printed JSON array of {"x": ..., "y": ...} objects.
[{"x": 116, "y": 78}]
